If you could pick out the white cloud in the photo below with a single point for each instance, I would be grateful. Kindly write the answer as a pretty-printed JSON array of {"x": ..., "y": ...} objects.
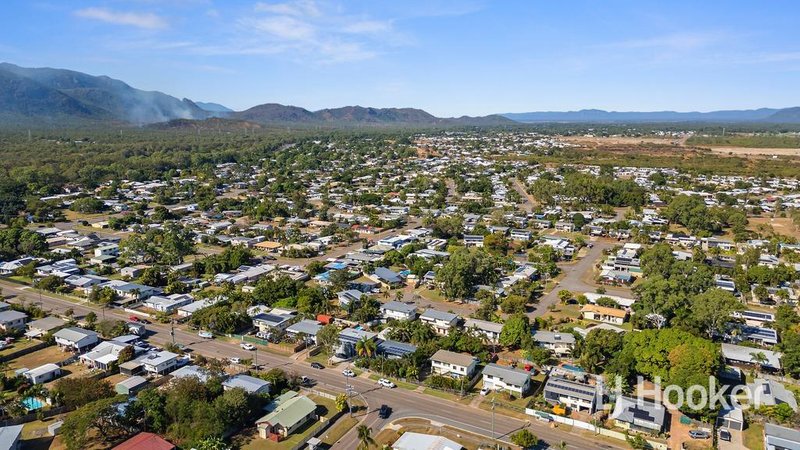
[
  {"x": 300, "y": 8},
  {"x": 283, "y": 27},
  {"x": 314, "y": 31},
  {"x": 675, "y": 41},
  {"x": 140, "y": 20},
  {"x": 368, "y": 27}
]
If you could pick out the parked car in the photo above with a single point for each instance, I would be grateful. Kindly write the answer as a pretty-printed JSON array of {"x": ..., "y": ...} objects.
[
  {"x": 348, "y": 373},
  {"x": 699, "y": 434},
  {"x": 206, "y": 335},
  {"x": 305, "y": 381},
  {"x": 317, "y": 365},
  {"x": 485, "y": 391},
  {"x": 384, "y": 412},
  {"x": 386, "y": 383},
  {"x": 235, "y": 360},
  {"x": 247, "y": 346},
  {"x": 724, "y": 434}
]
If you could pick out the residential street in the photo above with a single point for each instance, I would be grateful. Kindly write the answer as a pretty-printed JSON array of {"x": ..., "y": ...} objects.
[
  {"x": 405, "y": 403},
  {"x": 575, "y": 274}
]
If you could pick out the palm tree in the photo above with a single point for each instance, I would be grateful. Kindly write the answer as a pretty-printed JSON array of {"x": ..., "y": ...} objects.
[
  {"x": 562, "y": 445},
  {"x": 759, "y": 358},
  {"x": 365, "y": 440},
  {"x": 365, "y": 347}
]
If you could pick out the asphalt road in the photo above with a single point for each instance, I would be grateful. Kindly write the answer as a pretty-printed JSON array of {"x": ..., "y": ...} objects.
[
  {"x": 573, "y": 277},
  {"x": 404, "y": 403}
]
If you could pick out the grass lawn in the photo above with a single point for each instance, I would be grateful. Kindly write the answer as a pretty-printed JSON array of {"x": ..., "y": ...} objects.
[
  {"x": 35, "y": 436},
  {"x": 337, "y": 430},
  {"x": 50, "y": 354},
  {"x": 321, "y": 357},
  {"x": 467, "y": 440},
  {"x": 253, "y": 442},
  {"x": 754, "y": 436},
  {"x": 402, "y": 384},
  {"x": 449, "y": 396},
  {"x": 18, "y": 345}
]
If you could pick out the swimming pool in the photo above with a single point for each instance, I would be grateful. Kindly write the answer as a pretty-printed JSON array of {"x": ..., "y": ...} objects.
[
  {"x": 32, "y": 403},
  {"x": 572, "y": 368}
]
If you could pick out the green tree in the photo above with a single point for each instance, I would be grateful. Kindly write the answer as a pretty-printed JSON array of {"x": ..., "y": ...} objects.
[
  {"x": 525, "y": 439},
  {"x": 514, "y": 329},
  {"x": 365, "y": 440}
]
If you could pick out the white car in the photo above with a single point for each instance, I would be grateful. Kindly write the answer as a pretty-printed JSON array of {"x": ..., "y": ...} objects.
[
  {"x": 247, "y": 346},
  {"x": 348, "y": 373},
  {"x": 235, "y": 360},
  {"x": 206, "y": 335},
  {"x": 485, "y": 391},
  {"x": 386, "y": 383}
]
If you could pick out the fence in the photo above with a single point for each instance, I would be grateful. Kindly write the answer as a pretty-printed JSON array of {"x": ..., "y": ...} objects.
[
  {"x": 282, "y": 348},
  {"x": 590, "y": 427},
  {"x": 45, "y": 414},
  {"x": 319, "y": 429},
  {"x": 24, "y": 351}
]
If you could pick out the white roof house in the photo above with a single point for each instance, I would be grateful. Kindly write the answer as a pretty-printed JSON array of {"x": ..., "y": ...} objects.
[{"x": 76, "y": 338}]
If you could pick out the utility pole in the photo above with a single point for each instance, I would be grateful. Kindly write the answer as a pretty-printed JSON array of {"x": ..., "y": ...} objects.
[
  {"x": 172, "y": 330},
  {"x": 494, "y": 443}
]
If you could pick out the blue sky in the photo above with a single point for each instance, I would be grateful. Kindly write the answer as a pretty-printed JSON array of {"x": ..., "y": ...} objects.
[{"x": 447, "y": 57}]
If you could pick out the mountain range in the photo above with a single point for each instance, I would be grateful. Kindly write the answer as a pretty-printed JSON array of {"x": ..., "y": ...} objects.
[
  {"x": 31, "y": 96},
  {"x": 46, "y": 96},
  {"x": 772, "y": 115}
]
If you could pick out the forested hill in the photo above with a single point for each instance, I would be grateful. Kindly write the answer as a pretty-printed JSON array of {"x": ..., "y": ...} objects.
[{"x": 57, "y": 97}]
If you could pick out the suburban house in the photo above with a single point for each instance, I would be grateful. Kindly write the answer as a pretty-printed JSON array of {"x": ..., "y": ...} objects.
[
  {"x": 41, "y": 327},
  {"x": 266, "y": 322},
  {"x": 471, "y": 240},
  {"x": 191, "y": 370},
  {"x": 306, "y": 328},
  {"x": 398, "y": 311},
  {"x": 10, "y": 437},
  {"x": 350, "y": 296},
  {"x": 75, "y": 339},
  {"x": 159, "y": 363},
  {"x": 559, "y": 343},
  {"x": 572, "y": 393},
  {"x": 630, "y": 414},
  {"x": 445, "y": 362},
  {"x": 416, "y": 441},
  {"x": 103, "y": 355},
  {"x": 386, "y": 277},
  {"x": 501, "y": 378},
  {"x": 12, "y": 320},
  {"x": 395, "y": 349},
  {"x": 43, "y": 373},
  {"x": 348, "y": 339},
  {"x": 766, "y": 392},
  {"x": 251, "y": 385},
  {"x": 193, "y": 307},
  {"x": 440, "y": 321},
  {"x": 489, "y": 329},
  {"x": 746, "y": 356},
  {"x": 604, "y": 314},
  {"x": 780, "y": 438},
  {"x": 145, "y": 441},
  {"x": 289, "y": 414},
  {"x": 168, "y": 304}
]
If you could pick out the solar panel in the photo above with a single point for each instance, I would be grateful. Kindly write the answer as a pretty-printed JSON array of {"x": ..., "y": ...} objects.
[{"x": 642, "y": 414}]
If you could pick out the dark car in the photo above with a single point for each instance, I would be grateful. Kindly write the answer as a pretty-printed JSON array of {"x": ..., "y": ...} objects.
[
  {"x": 698, "y": 434},
  {"x": 317, "y": 365},
  {"x": 724, "y": 434},
  {"x": 384, "y": 412}
]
